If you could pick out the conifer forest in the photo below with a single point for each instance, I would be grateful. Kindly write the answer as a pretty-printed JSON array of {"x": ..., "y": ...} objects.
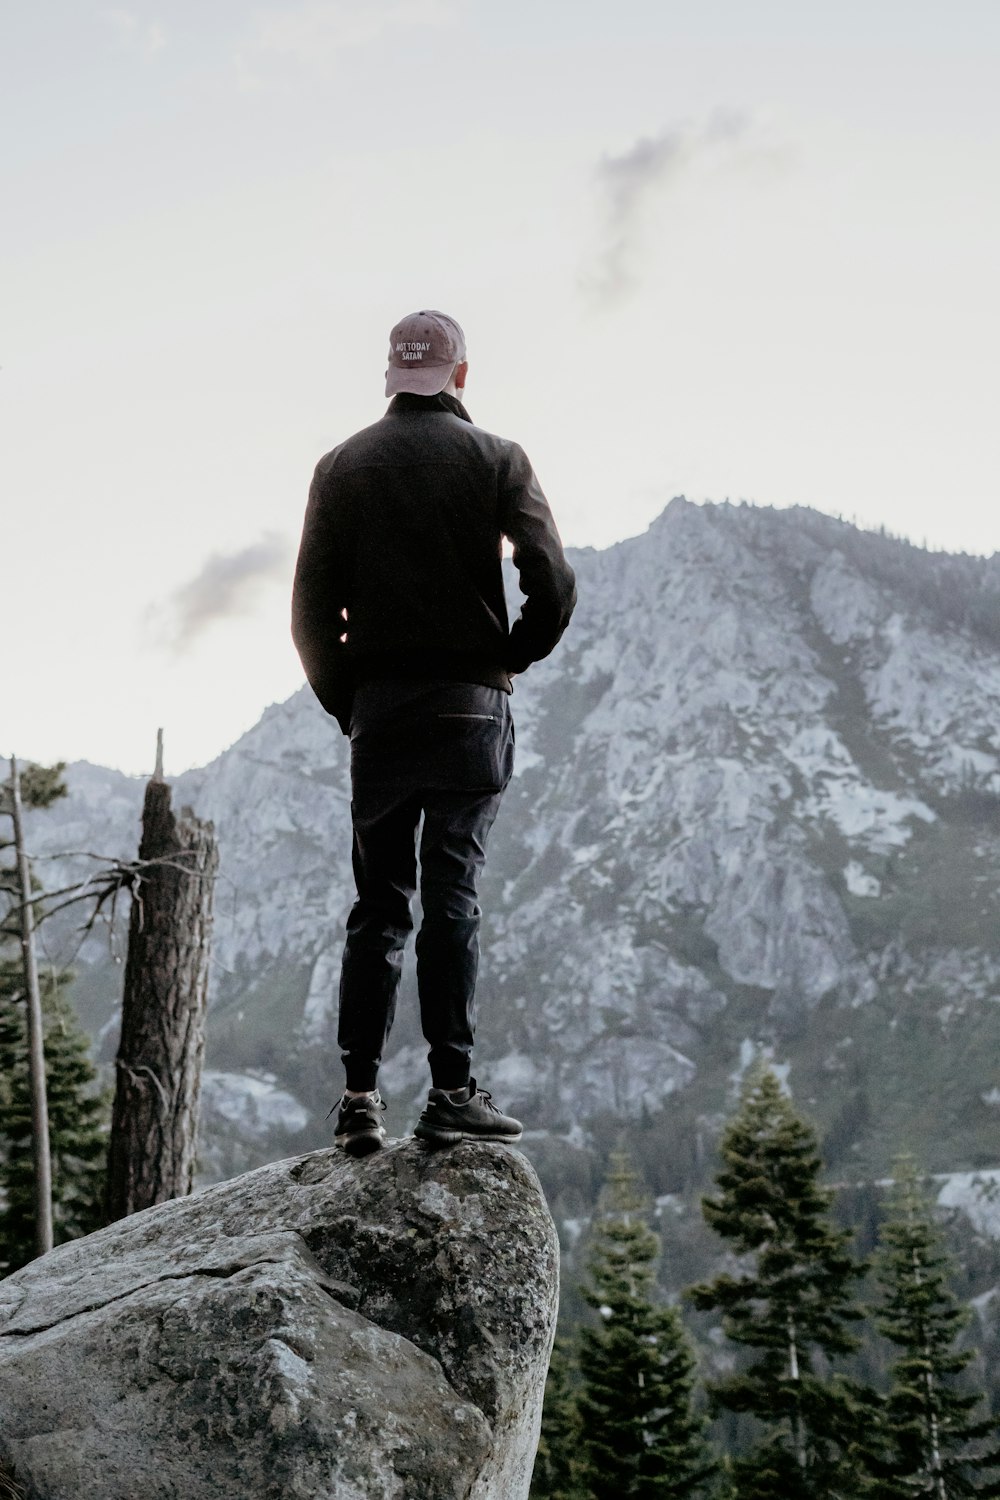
[{"x": 813, "y": 1370}]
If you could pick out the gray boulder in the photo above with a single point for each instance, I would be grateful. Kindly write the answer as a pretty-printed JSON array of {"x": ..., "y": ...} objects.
[{"x": 320, "y": 1328}]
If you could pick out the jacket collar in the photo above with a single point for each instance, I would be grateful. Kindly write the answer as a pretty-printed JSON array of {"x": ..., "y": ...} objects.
[{"x": 444, "y": 401}]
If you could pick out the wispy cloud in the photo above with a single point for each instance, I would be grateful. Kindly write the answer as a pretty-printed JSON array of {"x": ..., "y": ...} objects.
[
  {"x": 314, "y": 35},
  {"x": 627, "y": 184},
  {"x": 227, "y": 585},
  {"x": 141, "y": 35}
]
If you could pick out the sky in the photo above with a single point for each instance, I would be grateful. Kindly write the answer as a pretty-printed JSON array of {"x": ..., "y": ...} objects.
[{"x": 720, "y": 250}]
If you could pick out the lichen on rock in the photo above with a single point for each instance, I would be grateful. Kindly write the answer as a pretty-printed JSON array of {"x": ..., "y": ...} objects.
[{"x": 321, "y": 1327}]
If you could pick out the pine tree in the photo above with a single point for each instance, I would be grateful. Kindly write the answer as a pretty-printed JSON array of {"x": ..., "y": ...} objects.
[
  {"x": 40, "y": 787},
  {"x": 558, "y": 1466},
  {"x": 77, "y": 1122},
  {"x": 932, "y": 1444},
  {"x": 792, "y": 1305},
  {"x": 641, "y": 1438},
  {"x": 32, "y": 786}
]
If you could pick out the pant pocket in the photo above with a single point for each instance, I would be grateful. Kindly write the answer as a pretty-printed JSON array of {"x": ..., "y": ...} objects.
[
  {"x": 459, "y": 737},
  {"x": 470, "y": 752}
]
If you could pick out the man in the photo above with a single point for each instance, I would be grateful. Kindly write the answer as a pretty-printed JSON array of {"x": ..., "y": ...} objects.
[{"x": 399, "y": 617}]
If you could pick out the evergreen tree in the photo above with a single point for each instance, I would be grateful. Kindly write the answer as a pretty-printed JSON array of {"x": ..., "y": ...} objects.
[
  {"x": 557, "y": 1473},
  {"x": 641, "y": 1438},
  {"x": 931, "y": 1443},
  {"x": 40, "y": 787},
  {"x": 791, "y": 1304},
  {"x": 77, "y": 1112},
  {"x": 77, "y": 1123}
]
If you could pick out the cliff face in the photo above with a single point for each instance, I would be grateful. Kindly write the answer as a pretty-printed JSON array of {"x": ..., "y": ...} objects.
[
  {"x": 321, "y": 1327},
  {"x": 757, "y": 806}
]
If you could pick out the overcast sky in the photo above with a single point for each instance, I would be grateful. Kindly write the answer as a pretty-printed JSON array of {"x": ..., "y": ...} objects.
[{"x": 724, "y": 250}]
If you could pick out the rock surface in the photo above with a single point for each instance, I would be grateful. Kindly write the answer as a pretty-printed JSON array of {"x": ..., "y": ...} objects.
[{"x": 319, "y": 1328}]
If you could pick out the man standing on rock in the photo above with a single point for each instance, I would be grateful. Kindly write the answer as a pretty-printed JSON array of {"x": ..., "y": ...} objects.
[{"x": 399, "y": 617}]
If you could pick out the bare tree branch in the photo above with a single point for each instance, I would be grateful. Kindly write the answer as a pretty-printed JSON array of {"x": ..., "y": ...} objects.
[{"x": 120, "y": 875}]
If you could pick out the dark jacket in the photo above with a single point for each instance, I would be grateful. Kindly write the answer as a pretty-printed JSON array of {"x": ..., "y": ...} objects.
[{"x": 399, "y": 566}]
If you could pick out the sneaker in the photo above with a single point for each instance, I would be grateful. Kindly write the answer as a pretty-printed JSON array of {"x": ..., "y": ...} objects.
[
  {"x": 359, "y": 1129},
  {"x": 474, "y": 1118}
]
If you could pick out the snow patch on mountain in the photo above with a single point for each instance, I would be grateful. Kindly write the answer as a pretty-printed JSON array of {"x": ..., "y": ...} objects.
[
  {"x": 859, "y": 882},
  {"x": 875, "y": 817},
  {"x": 846, "y": 606},
  {"x": 977, "y": 1195},
  {"x": 254, "y": 1102}
]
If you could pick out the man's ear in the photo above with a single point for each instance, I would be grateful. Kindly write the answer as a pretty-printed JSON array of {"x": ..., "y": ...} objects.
[{"x": 461, "y": 371}]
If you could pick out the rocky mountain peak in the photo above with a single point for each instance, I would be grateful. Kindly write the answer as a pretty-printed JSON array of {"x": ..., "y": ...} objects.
[{"x": 757, "y": 797}]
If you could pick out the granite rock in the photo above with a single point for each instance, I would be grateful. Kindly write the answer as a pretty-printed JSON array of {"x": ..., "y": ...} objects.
[{"x": 321, "y": 1327}]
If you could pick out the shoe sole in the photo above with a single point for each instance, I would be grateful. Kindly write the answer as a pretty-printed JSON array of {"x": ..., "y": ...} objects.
[
  {"x": 440, "y": 1135},
  {"x": 360, "y": 1144}
]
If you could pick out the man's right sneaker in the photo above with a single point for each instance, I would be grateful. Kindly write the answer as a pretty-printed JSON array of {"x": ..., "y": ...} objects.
[
  {"x": 359, "y": 1129},
  {"x": 474, "y": 1118}
]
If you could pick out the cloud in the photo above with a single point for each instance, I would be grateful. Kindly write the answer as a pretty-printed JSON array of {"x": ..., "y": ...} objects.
[
  {"x": 146, "y": 37},
  {"x": 629, "y": 182},
  {"x": 313, "y": 35},
  {"x": 228, "y": 585}
]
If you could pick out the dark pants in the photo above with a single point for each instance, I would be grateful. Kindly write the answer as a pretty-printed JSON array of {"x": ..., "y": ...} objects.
[{"x": 444, "y": 751}]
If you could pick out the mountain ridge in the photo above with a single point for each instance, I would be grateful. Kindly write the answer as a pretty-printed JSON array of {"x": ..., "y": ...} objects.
[{"x": 757, "y": 803}]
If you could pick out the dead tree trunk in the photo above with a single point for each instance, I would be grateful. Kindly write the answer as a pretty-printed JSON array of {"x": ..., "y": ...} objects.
[{"x": 155, "y": 1120}]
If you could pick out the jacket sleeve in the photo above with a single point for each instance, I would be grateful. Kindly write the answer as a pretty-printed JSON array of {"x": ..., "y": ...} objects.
[
  {"x": 546, "y": 578},
  {"x": 319, "y": 601}
]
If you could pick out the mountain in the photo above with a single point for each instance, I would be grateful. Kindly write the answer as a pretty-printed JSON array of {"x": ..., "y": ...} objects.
[{"x": 756, "y": 809}]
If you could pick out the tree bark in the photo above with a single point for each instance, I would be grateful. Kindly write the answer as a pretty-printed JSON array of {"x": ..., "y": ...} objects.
[{"x": 155, "y": 1120}]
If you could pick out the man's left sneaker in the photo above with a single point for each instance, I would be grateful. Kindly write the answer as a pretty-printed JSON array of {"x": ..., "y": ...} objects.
[
  {"x": 475, "y": 1117},
  {"x": 359, "y": 1129}
]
